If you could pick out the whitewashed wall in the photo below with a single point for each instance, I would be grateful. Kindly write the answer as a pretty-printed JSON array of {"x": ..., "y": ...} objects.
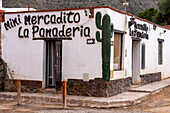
[
  {"x": 151, "y": 48},
  {"x": 79, "y": 57},
  {"x": 166, "y": 54},
  {"x": 118, "y": 21},
  {"x": 25, "y": 57},
  {"x": 151, "y": 51}
]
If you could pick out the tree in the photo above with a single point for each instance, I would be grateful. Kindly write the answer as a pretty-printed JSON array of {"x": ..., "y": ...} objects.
[
  {"x": 164, "y": 9},
  {"x": 148, "y": 14},
  {"x": 161, "y": 17}
]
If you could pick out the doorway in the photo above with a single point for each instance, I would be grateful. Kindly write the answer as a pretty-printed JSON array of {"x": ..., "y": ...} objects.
[
  {"x": 53, "y": 64},
  {"x": 135, "y": 62}
]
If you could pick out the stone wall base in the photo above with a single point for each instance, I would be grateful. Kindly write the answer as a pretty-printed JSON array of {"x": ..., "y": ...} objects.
[
  {"x": 26, "y": 85},
  {"x": 149, "y": 78},
  {"x": 98, "y": 87}
]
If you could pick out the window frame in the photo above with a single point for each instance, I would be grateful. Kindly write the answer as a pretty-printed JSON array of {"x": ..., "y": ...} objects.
[{"x": 121, "y": 50}]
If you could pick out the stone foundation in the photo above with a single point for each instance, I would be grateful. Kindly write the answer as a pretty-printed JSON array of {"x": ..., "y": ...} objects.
[
  {"x": 149, "y": 78},
  {"x": 26, "y": 85},
  {"x": 98, "y": 87}
]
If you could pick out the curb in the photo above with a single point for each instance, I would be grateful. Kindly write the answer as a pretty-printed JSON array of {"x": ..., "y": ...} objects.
[
  {"x": 74, "y": 102},
  {"x": 135, "y": 97}
]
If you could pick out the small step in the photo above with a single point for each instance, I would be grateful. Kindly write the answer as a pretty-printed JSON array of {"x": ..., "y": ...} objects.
[
  {"x": 141, "y": 91},
  {"x": 134, "y": 86},
  {"x": 52, "y": 91}
]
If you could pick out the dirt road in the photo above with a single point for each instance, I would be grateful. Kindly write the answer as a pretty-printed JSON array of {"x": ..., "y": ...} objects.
[{"x": 157, "y": 103}]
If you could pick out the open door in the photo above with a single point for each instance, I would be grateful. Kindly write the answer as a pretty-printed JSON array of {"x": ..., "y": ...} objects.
[
  {"x": 135, "y": 62},
  {"x": 53, "y": 64}
]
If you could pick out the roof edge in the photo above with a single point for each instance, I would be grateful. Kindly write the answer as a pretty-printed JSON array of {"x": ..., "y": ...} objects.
[{"x": 122, "y": 12}]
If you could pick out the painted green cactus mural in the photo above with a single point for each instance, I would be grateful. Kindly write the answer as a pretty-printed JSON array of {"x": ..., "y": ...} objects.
[{"x": 107, "y": 30}]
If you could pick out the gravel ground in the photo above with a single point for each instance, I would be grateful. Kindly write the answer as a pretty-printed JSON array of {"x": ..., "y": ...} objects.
[
  {"x": 157, "y": 103},
  {"x": 90, "y": 111},
  {"x": 10, "y": 106}
]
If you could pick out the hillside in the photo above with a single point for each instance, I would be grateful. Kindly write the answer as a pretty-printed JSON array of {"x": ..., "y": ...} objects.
[{"x": 135, "y": 6}]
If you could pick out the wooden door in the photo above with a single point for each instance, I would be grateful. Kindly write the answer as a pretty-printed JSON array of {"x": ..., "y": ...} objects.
[{"x": 58, "y": 64}]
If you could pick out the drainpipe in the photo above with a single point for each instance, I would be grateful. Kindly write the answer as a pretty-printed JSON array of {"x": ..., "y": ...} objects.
[{"x": 125, "y": 4}]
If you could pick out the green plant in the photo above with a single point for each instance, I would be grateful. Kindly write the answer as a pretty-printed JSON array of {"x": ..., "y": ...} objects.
[
  {"x": 148, "y": 14},
  {"x": 107, "y": 30}
]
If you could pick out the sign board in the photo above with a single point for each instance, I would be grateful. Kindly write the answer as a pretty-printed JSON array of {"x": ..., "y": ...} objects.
[
  {"x": 91, "y": 41},
  {"x": 139, "y": 30}
]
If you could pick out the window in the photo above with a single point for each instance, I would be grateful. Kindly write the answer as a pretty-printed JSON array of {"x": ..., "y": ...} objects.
[
  {"x": 160, "y": 47},
  {"x": 118, "y": 51},
  {"x": 143, "y": 56}
]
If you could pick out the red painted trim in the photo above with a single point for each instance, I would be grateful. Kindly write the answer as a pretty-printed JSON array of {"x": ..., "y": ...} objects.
[
  {"x": 168, "y": 26},
  {"x": 51, "y": 10}
]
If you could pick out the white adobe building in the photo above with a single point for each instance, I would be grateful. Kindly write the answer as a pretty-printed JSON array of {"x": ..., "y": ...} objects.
[{"x": 48, "y": 46}]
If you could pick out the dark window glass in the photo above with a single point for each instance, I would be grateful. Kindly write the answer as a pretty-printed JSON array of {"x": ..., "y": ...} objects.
[
  {"x": 160, "y": 47},
  {"x": 143, "y": 56}
]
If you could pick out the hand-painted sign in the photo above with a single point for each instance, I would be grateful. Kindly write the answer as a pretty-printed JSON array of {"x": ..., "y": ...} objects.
[
  {"x": 53, "y": 20},
  {"x": 140, "y": 30}
]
